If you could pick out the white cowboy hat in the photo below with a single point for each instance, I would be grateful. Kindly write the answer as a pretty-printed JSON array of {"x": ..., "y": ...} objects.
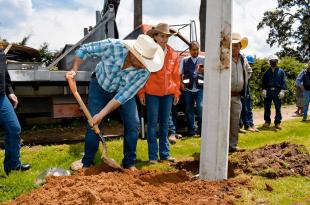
[
  {"x": 236, "y": 38},
  {"x": 148, "y": 52}
]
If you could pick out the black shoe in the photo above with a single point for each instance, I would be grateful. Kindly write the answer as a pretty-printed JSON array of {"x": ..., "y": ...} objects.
[
  {"x": 235, "y": 149},
  {"x": 22, "y": 167}
]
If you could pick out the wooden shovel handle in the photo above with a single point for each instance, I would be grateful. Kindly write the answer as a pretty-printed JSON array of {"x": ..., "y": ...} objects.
[{"x": 73, "y": 88}]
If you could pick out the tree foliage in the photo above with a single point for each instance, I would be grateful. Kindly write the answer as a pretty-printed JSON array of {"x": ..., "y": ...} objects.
[
  {"x": 289, "y": 27},
  {"x": 25, "y": 40},
  {"x": 46, "y": 56}
]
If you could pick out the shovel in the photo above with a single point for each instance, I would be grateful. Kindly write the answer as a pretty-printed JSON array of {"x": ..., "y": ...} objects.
[{"x": 105, "y": 159}]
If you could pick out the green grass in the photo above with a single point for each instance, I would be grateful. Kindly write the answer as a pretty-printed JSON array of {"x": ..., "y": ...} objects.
[
  {"x": 293, "y": 131},
  {"x": 287, "y": 190}
]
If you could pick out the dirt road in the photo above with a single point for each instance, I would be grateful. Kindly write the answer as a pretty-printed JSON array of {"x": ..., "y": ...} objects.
[{"x": 287, "y": 114}]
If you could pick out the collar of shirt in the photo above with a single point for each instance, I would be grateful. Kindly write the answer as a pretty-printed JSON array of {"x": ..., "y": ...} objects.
[{"x": 194, "y": 59}]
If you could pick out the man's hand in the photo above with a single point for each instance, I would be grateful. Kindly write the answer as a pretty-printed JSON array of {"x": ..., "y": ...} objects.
[
  {"x": 71, "y": 74},
  {"x": 77, "y": 62},
  {"x": 264, "y": 93},
  {"x": 142, "y": 100},
  {"x": 281, "y": 94},
  {"x": 182, "y": 85},
  {"x": 302, "y": 88},
  {"x": 97, "y": 119},
  {"x": 175, "y": 100},
  {"x": 200, "y": 68},
  {"x": 14, "y": 100}
]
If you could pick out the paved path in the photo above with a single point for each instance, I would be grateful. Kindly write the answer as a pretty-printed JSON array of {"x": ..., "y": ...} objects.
[{"x": 287, "y": 114}]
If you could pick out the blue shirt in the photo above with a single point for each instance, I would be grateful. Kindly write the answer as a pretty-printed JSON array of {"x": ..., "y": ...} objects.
[
  {"x": 109, "y": 71},
  {"x": 300, "y": 78},
  {"x": 274, "y": 79}
]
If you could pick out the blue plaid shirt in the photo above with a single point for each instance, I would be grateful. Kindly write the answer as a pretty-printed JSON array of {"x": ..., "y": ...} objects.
[{"x": 109, "y": 71}]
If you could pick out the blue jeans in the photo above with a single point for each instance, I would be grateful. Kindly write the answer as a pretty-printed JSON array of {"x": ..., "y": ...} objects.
[
  {"x": 11, "y": 126},
  {"x": 306, "y": 103},
  {"x": 189, "y": 99},
  {"x": 158, "y": 109},
  {"x": 272, "y": 96},
  {"x": 246, "y": 113},
  {"x": 172, "y": 123},
  {"x": 97, "y": 99}
]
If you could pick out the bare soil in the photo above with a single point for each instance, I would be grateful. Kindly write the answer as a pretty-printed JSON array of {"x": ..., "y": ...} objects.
[
  {"x": 140, "y": 187},
  {"x": 272, "y": 161}
]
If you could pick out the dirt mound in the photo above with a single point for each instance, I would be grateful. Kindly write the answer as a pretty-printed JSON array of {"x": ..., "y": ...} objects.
[
  {"x": 140, "y": 187},
  {"x": 272, "y": 161}
]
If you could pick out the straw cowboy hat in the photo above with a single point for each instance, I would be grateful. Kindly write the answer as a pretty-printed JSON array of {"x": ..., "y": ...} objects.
[
  {"x": 148, "y": 52},
  {"x": 159, "y": 28},
  {"x": 236, "y": 38}
]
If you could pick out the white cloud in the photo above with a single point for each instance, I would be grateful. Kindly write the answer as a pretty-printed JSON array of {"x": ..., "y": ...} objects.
[
  {"x": 59, "y": 27},
  {"x": 90, "y": 4},
  {"x": 14, "y": 11}
]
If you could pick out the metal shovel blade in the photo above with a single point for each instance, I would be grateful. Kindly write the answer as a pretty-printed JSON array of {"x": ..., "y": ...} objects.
[{"x": 105, "y": 159}]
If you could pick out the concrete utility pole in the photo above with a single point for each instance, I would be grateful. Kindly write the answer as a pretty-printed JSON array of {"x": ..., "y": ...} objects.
[
  {"x": 216, "y": 96},
  {"x": 137, "y": 19},
  {"x": 202, "y": 22}
]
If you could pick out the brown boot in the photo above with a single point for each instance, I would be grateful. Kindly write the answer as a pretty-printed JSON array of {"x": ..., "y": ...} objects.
[
  {"x": 278, "y": 126},
  {"x": 266, "y": 125},
  {"x": 172, "y": 139}
]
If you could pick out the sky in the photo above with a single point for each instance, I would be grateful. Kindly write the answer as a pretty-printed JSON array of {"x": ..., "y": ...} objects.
[{"x": 61, "y": 22}]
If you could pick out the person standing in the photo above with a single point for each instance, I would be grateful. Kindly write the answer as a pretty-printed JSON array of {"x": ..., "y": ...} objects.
[
  {"x": 274, "y": 86},
  {"x": 299, "y": 96},
  {"x": 192, "y": 74},
  {"x": 122, "y": 71},
  {"x": 240, "y": 73},
  {"x": 246, "y": 118},
  {"x": 303, "y": 81},
  {"x": 9, "y": 121},
  {"x": 159, "y": 93}
]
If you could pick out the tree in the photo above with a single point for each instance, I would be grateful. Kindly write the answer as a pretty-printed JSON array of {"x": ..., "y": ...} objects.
[
  {"x": 24, "y": 40},
  {"x": 3, "y": 39},
  {"x": 46, "y": 56},
  {"x": 289, "y": 27}
]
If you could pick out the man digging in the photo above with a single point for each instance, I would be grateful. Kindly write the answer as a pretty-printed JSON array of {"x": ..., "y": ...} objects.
[{"x": 124, "y": 68}]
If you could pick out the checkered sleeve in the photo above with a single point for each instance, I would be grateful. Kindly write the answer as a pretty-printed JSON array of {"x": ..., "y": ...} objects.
[
  {"x": 104, "y": 48},
  {"x": 135, "y": 82}
]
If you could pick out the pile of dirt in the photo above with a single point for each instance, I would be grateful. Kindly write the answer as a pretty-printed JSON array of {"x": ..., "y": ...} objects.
[
  {"x": 140, "y": 187},
  {"x": 272, "y": 161}
]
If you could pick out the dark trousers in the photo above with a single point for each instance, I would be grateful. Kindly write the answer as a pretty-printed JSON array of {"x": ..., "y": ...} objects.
[
  {"x": 272, "y": 95},
  {"x": 246, "y": 118}
]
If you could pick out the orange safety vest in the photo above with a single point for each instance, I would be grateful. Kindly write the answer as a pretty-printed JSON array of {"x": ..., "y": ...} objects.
[{"x": 167, "y": 80}]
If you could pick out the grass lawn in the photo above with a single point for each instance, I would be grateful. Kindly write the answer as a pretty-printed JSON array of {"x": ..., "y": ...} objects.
[{"x": 287, "y": 190}]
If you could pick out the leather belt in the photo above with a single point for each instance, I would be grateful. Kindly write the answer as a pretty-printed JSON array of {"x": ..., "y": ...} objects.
[{"x": 234, "y": 94}]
